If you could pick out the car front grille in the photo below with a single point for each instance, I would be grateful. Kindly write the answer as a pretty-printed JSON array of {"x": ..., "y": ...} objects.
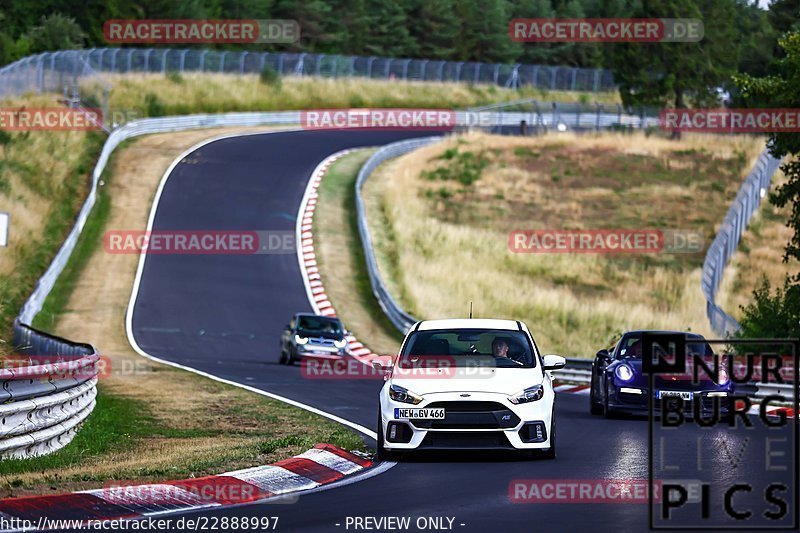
[
  {"x": 470, "y": 415},
  {"x": 321, "y": 341},
  {"x": 467, "y": 441}
]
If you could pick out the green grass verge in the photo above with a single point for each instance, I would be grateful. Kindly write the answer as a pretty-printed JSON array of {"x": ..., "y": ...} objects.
[
  {"x": 118, "y": 424},
  {"x": 353, "y": 296}
]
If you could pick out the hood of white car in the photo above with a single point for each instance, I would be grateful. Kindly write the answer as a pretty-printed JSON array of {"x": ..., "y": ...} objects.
[{"x": 494, "y": 380}]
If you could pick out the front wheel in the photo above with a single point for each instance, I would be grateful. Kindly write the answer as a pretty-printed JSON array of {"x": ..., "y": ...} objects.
[{"x": 595, "y": 407}]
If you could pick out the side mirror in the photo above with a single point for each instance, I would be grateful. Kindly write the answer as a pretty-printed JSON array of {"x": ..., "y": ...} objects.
[
  {"x": 603, "y": 354},
  {"x": 554, "y": 362},
  {"x": 347, "y": 333}
]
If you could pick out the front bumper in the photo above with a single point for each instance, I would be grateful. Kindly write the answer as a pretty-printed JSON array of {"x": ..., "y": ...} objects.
[
  {"x": 485, "y": 421},
  {"x": 320, "y": 352},
  {"x": 621, "y": 400}
]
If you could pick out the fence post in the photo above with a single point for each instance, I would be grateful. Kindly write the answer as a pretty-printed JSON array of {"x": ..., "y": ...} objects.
[
  {"x": 102, "y": 56},
  {"x": 422, "y": 67},
  {"x": 114, "y": 60},
  {"x": 369, "y": 66},
  {"x": 203, "y": 60}
]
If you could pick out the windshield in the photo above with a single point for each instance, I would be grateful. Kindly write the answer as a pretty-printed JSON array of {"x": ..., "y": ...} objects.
[
  {"x": 470, "y": 347},
  {"x": 319, "y": 324},
  {"x": 631, "y": 347}
]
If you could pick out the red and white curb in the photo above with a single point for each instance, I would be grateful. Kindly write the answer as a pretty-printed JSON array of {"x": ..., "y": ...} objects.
[
  {"x": 318, "y": 466},
  {"x": 307, "y": 258}
]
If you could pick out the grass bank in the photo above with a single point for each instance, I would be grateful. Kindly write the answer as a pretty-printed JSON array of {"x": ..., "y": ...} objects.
[
  {"x": 341, "y": 261},
  {"x": 44, "y": 177},
  {"x": 157, "y": 95},
  {"x": 441, "y": 218}
]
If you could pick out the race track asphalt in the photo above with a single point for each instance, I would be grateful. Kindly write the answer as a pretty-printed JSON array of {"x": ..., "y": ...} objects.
[{"x": 223, "y": 314}]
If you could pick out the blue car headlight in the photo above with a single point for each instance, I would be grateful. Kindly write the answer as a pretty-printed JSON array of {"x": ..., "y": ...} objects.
[{"x": 624, "y": 372}]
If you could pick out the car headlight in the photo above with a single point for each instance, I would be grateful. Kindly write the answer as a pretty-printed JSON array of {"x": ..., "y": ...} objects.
[
  {"x": 531, "y": 394},
  {"x": 340, "y": 343},
  {"x": 624, "y": 372},
  {"x": 403, "y": 395},
  {"x": 300, "y": 340}
]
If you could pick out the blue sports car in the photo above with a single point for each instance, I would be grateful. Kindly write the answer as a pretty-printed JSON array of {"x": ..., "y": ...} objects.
[{"x": 619, "y": 385}]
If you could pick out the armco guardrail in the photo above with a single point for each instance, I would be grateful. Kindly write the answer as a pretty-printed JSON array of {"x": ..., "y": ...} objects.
[
  {"x": 755, "y": 187},
  {"x": 51, "y": 71},
  {"x": 542, "y": 116},
  {"x": 47, "y": 393}
]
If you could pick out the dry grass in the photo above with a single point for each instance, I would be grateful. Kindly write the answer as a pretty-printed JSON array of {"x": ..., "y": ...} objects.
[
  {"x": 195, "y": 93},
  {"x": 441, "y": 250},
  {"x": 44, "y": 175},
  {"x": 192, "y": 426},
  {"x": 33, "y": 169}
]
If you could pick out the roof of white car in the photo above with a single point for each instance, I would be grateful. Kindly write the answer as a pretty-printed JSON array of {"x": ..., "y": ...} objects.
[{"x": 468, "y": 323}]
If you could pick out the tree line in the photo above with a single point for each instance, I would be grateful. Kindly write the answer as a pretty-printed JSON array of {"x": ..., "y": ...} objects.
[{"x": 743, "y": 36}]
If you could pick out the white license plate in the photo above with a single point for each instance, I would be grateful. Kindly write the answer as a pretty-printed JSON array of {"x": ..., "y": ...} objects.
[
  {"x": 686, "y": 395},
  {"x": 419, "y": 413}
]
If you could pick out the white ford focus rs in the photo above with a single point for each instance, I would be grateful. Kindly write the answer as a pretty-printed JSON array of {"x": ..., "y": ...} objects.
[{"x": 468, "y": 384}]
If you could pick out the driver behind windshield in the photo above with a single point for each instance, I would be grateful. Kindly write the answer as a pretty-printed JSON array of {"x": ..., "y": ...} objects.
[{"x": 500, "y": 348}]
